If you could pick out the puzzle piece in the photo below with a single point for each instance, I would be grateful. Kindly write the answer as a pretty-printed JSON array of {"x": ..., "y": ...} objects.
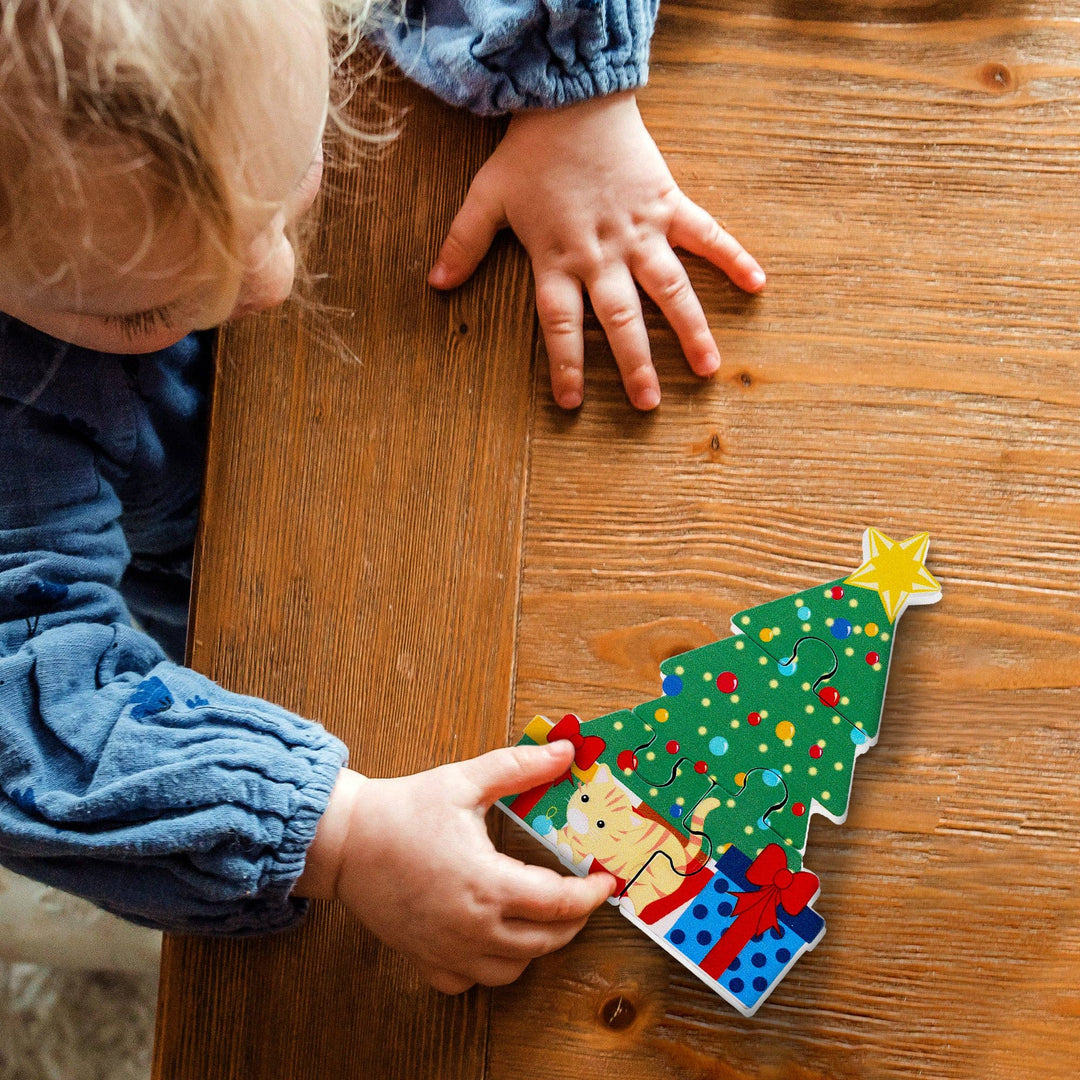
[
  {"x": 709, "y": 788},
  {"x": 740, "y": 962},
  {"x": 755, "y": 717},
  {"x": 853, "y": 617}
]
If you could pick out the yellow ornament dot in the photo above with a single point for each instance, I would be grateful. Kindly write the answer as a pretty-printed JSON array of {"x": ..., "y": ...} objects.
[
  {"x": 734, "y": 699},
  {"x": 785, "y": 730},
  {"x": 749, "y": 830},
  {"x": 853, "y": 603},
  {"x": 762, "y": 660},
  {"x": 740, "y": 645},
  {"x": 617, "y": 725},
  {"x": 764, "y": 748},
  {"x": 765, "y": 634},
  {"x": 825, "y": 796},
  {"x": 650, "y": 756},
  {"x": 813, "y": 770},
  {"x": 740, "y": 779},
  {"x": 707, "y": 676},
  {"x": 679, "y": 670},
  {"x": 745, "y": 620},
  {"x": 661, "y": 715},
  {"x": 654, "y": 791},
  {"x": 839, "y": 766},
  {"x": 706, "y": 702},
  {"x": 680, "y": 801},
  {"x": 703, "y": 731},
  {"x": 872, "y": 629}
]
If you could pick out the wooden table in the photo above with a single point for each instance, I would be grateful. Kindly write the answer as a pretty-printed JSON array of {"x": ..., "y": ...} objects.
[{"x": 417, "y": 548}]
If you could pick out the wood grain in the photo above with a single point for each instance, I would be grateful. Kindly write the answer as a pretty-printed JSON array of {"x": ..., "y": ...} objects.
[
  {"x": 906, "y": 173},
  {"x": 910, "y": 190}
]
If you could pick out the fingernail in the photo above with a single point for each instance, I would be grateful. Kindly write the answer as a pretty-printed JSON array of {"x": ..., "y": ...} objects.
[
  {"x": 757, "y": 278},
  {"x": 710, "y": 364},
  {"x": 649, "y": 399},
  {"x": 570, "y": 400},
  {"x": 438, "y": 275}
]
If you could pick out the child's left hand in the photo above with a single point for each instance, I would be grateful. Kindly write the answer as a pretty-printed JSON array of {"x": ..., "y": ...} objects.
[{"x": 591, "y": 199}]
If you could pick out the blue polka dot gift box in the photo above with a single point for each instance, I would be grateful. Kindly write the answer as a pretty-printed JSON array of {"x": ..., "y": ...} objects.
[{"x": 748, "y": 925}]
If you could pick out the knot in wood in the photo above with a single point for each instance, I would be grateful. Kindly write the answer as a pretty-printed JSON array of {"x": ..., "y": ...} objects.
[
  {"x": 618, "y": 1013},
  {"x": 997, "y": 77}
]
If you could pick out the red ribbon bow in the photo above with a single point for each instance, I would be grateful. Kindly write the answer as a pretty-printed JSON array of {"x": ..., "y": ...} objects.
[
  {"x": 587, "y": 749},
  {"x": 755, "y": 912},
  {"x": 777, "y": 886}
]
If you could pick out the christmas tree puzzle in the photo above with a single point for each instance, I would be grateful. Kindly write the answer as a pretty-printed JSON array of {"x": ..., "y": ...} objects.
[{"x": 698, "y": 802}]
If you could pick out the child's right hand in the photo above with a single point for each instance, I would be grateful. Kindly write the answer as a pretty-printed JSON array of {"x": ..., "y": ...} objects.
[{"x": 412, "y": 859}]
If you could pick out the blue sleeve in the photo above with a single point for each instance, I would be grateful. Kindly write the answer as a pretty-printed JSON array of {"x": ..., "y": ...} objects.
[
  {"x": 125, "y": 778},
  {"x": 496, "y": 56}
]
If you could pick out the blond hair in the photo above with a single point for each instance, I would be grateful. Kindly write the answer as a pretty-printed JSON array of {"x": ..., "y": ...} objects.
[{"x": 148, "y": 76}]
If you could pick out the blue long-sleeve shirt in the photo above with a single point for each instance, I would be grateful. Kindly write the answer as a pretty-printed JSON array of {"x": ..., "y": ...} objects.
[{"x": 124, "y": 776}]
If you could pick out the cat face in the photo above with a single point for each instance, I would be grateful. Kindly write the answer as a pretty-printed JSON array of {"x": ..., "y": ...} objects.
[{"x": 599, "y": 814}]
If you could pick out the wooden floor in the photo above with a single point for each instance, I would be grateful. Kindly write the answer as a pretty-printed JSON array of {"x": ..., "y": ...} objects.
[{"x": 417, "y": 548}]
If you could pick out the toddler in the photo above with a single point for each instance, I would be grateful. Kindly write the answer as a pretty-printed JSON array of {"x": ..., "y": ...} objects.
[{"x": 154, "y": 158}]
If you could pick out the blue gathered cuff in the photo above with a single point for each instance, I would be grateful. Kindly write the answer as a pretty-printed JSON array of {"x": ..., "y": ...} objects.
[{"x": 498, "y": 57}]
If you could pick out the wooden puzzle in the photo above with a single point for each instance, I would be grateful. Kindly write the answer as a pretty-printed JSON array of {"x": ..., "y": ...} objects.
[{"x": 698, "y": 802}]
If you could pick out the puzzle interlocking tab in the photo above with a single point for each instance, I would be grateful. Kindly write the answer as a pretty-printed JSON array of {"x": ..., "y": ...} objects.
[{"x": 698, "y": 802}]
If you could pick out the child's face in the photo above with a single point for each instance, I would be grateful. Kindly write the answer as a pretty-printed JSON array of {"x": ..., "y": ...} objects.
[{"x": 127, "y": 280}]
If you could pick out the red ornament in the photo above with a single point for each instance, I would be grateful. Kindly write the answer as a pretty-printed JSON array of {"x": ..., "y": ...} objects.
[
  {"x": 815, "y": 751},
  {"x": 872, "y": 658},
  {"x": 798, "y": 809},
  {"x": 701, "y": 767},
  {"x": 726, "y": 682},
  {"x": 627, "y": 759},
  {"x": 829, "y": 696},
  {"x": 753, "y": 719},
  {"x": 673, "y": 747},
  {"x": 836, "y": 592}
]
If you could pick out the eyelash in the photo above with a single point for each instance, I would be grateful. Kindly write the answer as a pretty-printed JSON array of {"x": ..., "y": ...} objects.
[{"x": 141, "y": 322}]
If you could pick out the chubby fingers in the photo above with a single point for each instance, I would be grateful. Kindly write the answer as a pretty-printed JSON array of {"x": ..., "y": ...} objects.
[
  {"x": 663, "y": 276},
  {"x": 618, "y": 307},
  {"x": 538, "y": 894},
  {"x": 698, "y": 232},
  {"x": 514, "y": 769},
  {"x": 561, "y": 312},
  {"x": 471, "y": 233}
]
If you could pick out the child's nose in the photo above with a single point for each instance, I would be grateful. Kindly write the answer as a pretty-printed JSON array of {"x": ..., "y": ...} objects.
[{"x": 268, "y": 280}]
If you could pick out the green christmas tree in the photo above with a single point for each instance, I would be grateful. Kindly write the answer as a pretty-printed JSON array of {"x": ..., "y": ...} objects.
[{"x": 770, "y": 720}]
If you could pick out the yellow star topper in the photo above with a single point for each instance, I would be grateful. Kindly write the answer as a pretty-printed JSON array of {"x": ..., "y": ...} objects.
[{"x": 897, "y": 572}]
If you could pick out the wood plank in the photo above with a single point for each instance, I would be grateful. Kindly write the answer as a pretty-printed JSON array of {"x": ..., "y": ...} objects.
[
  {"x": 906, "y": 174},
  {"x": 358, "y": 564}
]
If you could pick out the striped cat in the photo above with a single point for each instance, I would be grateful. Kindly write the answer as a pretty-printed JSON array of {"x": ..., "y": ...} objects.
[{"x": 634, "y": 844}]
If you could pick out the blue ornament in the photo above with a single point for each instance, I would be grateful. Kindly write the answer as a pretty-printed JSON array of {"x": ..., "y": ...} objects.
[
  {"x": 672, "y": 685},
  {"x": 718, "y": 745},
  {"x": 840, "y": 629},
  {"x": 803, "y": 613},
  {"x": 542, "y": 824},
  {"x": 787, "y": 666}
]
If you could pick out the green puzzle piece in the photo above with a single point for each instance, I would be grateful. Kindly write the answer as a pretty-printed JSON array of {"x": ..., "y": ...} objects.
[
  {"x": 841, "y": 638},
  {"x": 728, "y": 710}
]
